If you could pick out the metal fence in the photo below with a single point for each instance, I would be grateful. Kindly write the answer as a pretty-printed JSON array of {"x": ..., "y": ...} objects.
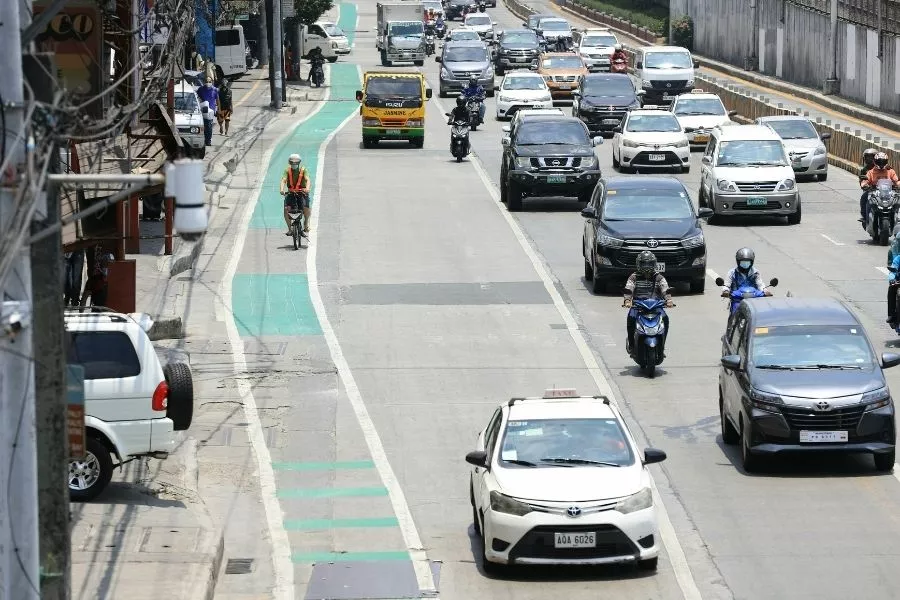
[{"x": 861, "y": 12}]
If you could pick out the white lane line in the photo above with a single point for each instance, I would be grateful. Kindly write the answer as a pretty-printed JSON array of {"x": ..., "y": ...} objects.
[
  {"x": 422, "y": 568},
  {"x": 680, "y": 566},
  {"x": 884, "y": 270},
  {"x": 836, "y": 243},
  {"x": 712, "y": 274}
]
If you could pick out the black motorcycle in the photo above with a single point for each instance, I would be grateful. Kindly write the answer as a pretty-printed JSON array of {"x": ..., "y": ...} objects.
[
  {"x": 429, "y": 40},
  {"x": 317, "y": 72},
  {"x": 459, "y": 139},
  {"x": 473, "y": 105},
  {"x": 881, "y": 212}
]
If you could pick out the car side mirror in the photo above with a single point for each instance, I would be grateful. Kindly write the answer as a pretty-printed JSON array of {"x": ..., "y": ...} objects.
[
  {"x": 525, "y": 25},
  {"x": 639, "y": 65},
  {"x": 706, "y": 160},
  {"x": 359, "y": 96},
  {"x": 505, "y": 140},
  {"x": 588, "y": 212},
  {"x": 496, "y": 88},
  {"x": 617, "y": 129},
  {"x": 505, "y": 128},
  {"x": 696, "y": 64},
  {"x": 705, "y": 213},
  {"x": 826, "y": 136},
  {"x": 437, "y": 59},
  {"x": 477, "y": 458},
  {"x": 732, "y": 362},
  {"x": 428, "y": 93},
  {"x": 652, "y": 455},
  {"x": 597, "y": 140},
  {"x": 773, "y": 282},
  {"x": 720, "y": 282},
  {"x": 732, "y": 113},
  {"x": 889, "y": 359}
]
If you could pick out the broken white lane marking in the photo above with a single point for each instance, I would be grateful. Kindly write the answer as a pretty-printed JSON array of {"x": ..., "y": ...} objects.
[{"x": 835, "y": 242}]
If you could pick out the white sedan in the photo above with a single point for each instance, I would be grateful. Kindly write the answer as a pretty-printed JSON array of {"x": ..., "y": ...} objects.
[
  {"x": 462, "y": 34},
  {"x": 651, "y": 139},
  {"x": 520, "y": 90},
  {"x": 560, "y": 480}
]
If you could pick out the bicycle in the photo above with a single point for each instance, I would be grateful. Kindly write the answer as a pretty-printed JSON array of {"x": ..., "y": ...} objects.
[{"x": 295, "y": 211}]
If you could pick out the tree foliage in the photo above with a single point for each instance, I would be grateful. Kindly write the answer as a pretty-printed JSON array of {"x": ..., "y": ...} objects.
[{"x": 309, "y": 11}]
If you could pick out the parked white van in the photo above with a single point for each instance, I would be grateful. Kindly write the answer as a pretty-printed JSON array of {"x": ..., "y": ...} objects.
[
  {"x": 664, "y": 72},
  {"x": 231, "y": 50},
  {"x": 189, "y": 119}
]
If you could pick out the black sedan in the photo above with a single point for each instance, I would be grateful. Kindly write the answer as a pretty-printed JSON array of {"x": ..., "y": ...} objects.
[{"x": 627, "y": 215}]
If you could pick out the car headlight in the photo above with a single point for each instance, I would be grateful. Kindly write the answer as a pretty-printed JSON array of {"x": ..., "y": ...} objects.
[
  {"x": 726, "y": 186},
  {"x": 876, "y": 399},
  {"x": 503, "y": 98},
  {"x": 590, "y": 163},
  {"x": 635, "y": 502},
  {"x": 693, "y": 241},
  {"x": 646, "y": 84},
  {"x": 546, "y": 97},
  {"x": 630, "y": 144},
  {"x": 370, "y": 122},
  {"x": 523, "y": 163},
  {"x": 682, "y": 143},
  {"x": 766, "y": 402},
  {"x": 445, "y": 74},
  {"x": 786, "y": 185},
  {"x": 820, "y": 151},
  {"x": 608, "y": 240},
  {"x": 488, "y": 71},
  {"x": 195, "y": 130},
  {"x": 510, "y": 506},
  {"x": 690, "y": 82},
  {"x": 414, "y": 123}
]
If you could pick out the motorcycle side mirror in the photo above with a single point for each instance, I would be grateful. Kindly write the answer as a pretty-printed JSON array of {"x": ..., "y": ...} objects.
[
  {"x": 532, "y": 67},
  {"x": 732, "y": 362},
  {"x": 437, "y": 59},
  {"x": 640, "y": 93},
  {"x": 705, "y": 213},
  {"x": 524, "y": 24},
  {"x": 773, "y": 282},
  {"x": 505, "y": 140},
  {"x": 359, "y": 95},
  {"x": 428, "y": 93},
  {"x": 720, "y": 281},
  {"x": 617, "y": 129},
  {"x": 576, "y": 93},
  {"x": 446, "y": 114},
  {"x": 826, "y": 136}
]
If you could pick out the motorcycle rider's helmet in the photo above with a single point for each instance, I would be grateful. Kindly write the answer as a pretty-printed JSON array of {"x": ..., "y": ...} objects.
[
  {"x": 869, "y": 155},
  {"x": 744, "y": 259},
  {"x": 646, "y": 263},
  {"x": 881, "y": 160},
  {"x": 617, "y": 47},
  {"x": 473, "y": 82},
  {"x": 481, "y": 7},
  {"x": 460, "y": 100},
  {"x": 294, "y": 160}
]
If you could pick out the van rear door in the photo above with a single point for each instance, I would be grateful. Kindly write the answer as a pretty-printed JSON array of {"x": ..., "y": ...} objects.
[{"x": 231, "y": 50}]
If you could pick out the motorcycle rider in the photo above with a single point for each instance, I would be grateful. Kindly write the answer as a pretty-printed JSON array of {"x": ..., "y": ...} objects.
[
  {"x": 460, "y": 113},
  {"x": 744, "y": 273},
  {"x": 481, "y": 7},
  {"x": 618, "y": 54},
  {"x": 643, "y": 284},
  {"x": 563, "y": 44},
  {"x": 316, "y": 60},
  {"x": 880, "y": 170},
  {"x": 868, "y": 164},
  {"x": 439, "y": 22},
  {"x": 475, "y": 91}
]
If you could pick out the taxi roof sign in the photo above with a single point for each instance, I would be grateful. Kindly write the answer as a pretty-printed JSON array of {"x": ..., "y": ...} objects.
[
  {"x": 697, "y": 91},
  {"x": 561, "y": 393}
]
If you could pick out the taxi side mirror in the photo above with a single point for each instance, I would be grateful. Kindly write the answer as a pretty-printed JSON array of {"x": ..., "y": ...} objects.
[
  {"x": 652, "y": 455},
  {"x": 428, "y": 93},
  {"x": 478, "y": 458},
  {"x": 359, "y": 95}
]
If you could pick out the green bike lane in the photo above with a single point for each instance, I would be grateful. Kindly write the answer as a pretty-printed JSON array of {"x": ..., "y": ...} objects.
[{"x": 344, "y": 535}]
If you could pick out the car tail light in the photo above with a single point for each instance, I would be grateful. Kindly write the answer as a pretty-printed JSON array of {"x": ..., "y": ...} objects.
[{"x": 161, "y": 397}]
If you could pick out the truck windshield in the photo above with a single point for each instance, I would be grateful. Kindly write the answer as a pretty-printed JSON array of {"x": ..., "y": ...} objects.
[
  {"x": 408, "y": 28},
  {"x": 386, "y": 88}
]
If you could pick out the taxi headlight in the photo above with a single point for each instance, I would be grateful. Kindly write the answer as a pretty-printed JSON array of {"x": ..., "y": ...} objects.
[
  {"x": 786, "y": 185},
  {"x": 510, "y": 506},
  {"x": 630, "y": 144},
  {"x": 635, "y": 502}
]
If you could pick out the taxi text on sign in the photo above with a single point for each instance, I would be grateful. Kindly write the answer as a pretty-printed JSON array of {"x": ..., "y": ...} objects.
[{"x": 75, "y": 410}]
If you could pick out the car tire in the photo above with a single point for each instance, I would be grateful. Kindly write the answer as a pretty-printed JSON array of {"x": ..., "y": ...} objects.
[
  {"x": 490, "y": 93},
  {"x": 748, "y": 460},
  {"x": 98, "y": 459},
  {"x": 730, "y": 435},
  {"x": 823, "y": 176},
  {"x": 180, "y": 406},
  {"x": 649, "y": 564},
  {"x": 794, "y": 219},
  {"x": 504, "y": 190},
  {"x": 598, "y": 285},
  {"x": 499, "y": 71},
  {"x": 884, "y": 463},
  {"x": 686, "y": 168},
  {"x": 513, "y": 197},
  {"x": 588, "y": 270},
  {"x": 698, "y": 286},
  {"x": 419, "y": 63},
  {"x": 701, "y": 198},
  {"x": 616, "y": 164}
]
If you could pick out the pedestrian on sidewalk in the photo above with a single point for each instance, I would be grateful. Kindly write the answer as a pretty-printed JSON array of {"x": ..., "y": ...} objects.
[
  {"x": 225, "y": 108},
  {"x": 209, "y": 95},
  {"x": 97, "y": 286},
  {"x": 73, "y": 264}
]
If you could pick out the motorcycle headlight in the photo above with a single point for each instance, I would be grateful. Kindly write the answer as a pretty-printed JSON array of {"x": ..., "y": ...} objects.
[
  {"x": 726, "y": 186},
  {"x": 635, "y": 502},
  {"x": 693, "y": 241},
  {"x": 820, "y": 151},
  {"x": 876, "y": 399},
  {"x": 370, "y": 122},
  {"x": 608, "y": 240},
  {"x": 786, "y": 185},
  {"x": 766, "y": 402},
  {"x": 523, "y": 163},
  {"x": 504, "y": 504},
  {"x": 445, "y": 74},
  {"x": 630, "y": 144}
]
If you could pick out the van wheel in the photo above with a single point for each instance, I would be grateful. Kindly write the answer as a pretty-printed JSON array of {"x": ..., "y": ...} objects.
[
  {"x": 885, "y": 462},
  {"x": 180, "y": 407},
  {"x": 419, "y": 63},
  {"x": 332, "y": 59},
  {"x": 90, "y": 476}
]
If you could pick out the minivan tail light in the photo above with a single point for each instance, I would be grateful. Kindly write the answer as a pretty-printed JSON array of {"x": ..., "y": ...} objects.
[{"x": 161, "y": 397}]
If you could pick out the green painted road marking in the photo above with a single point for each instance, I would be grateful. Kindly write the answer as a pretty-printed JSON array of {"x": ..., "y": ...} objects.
[
  {"x": 319, "y": 557},
  {"x": 331, "y": 492},
  {"x": 347, "y": 21},
  {"x": 273, "y": 304},
  {"x": 317, "y": 524},
  {"x": 323, "y": 466},
  {"x": 306, "y": 140}
]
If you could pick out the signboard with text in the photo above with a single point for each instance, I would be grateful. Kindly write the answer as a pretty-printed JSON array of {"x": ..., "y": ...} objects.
[{"x": 75, "y": 410}]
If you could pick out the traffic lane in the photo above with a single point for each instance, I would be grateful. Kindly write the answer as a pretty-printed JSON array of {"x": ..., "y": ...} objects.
[{"x": 439, "y": 333}]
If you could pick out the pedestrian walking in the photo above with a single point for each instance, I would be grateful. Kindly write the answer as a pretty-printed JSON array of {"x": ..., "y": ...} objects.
[
  {"x": 97, "y": 286},
  {"x": 225, "y": 108},
  {"x": 209, "y": 97}
]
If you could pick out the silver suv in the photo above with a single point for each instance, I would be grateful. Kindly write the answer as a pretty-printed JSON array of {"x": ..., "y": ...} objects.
[{"x": 462, "y": 60}]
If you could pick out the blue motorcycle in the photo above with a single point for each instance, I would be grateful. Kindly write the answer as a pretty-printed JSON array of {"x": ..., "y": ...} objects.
[
  {"x": 744, "y": 292},
  {"x": 649, "y": 333}
]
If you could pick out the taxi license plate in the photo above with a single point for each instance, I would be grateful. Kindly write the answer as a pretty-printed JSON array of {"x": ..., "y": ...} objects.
[
  {"x": 660, "y": 267},
  {"x": 564, "y": 86},
  {"x": 756, "y": 201},
  {"x": 657, "y": 157},
  {"x": 701, "y": 138},
  {"x": 556, "y": 178},
  {"x": 392, "y": 131},
  {"x": 575, "y": 540},
  {"x": 813, "y": 437},
  {"x": 611, "y": 121}
]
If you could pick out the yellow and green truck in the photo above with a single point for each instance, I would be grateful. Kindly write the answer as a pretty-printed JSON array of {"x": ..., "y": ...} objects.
[{"x": 392, "y": 106}]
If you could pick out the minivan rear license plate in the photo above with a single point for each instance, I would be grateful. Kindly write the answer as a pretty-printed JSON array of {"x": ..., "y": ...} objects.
[
  {"x": 756, "y": 201},
  {"x": 813, "y": 437},
  {"x": 575, "y": 540},
  {"x": 657, "y": 157},
  {"x": 556, "y": 178}
]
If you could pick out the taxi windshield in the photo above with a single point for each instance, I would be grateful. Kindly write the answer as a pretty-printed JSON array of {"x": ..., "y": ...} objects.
[
  {"x": 524, "y": 83},
  {"x": 562, "y": 62},
  {"x": 699, "y": 106},
  {"x": 567, "y": 443},
  {"x": 811, "y": 347},
  {"x": 599, "y": 41}
]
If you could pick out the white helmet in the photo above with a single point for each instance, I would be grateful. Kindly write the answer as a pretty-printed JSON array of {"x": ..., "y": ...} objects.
[
  {"x": 617, "y": 47},
  {"x": 294, "y": 159}
]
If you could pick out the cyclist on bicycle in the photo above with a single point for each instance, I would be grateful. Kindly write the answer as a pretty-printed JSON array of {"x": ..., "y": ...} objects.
[{"x": 295, "y": 189}]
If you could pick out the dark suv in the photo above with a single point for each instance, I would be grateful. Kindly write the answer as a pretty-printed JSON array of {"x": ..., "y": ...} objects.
[
  {"x": 517, "y": 49},
  {"x": 800, "y": 375},
  {"x": 603, "y": 99},
  {"x": 629, "y": 215},
  {"x": 548, "y": 156},
  {"x": 454, "y": 9}
]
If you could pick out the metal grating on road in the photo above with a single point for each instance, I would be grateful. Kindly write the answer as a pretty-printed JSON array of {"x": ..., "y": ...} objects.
[{"x": 239, "y": 566}]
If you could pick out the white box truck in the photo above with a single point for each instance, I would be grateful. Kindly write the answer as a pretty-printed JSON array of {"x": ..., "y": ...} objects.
[{"x": 401, "y": 32}]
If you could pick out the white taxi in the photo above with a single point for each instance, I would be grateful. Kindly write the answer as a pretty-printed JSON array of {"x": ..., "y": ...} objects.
[
  {"x": 521, "y": 89},
  {"x": 650, "y": 139},
  {"x": 699, "y": 112},
  {"x": 559, "y": 480}
]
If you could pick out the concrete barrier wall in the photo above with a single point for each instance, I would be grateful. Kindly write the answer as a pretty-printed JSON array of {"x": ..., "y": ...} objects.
[{"x": 791, "y": 43}]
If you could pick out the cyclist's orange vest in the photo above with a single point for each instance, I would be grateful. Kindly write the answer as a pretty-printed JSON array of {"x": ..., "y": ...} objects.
[{"x": 301, "y": 176}]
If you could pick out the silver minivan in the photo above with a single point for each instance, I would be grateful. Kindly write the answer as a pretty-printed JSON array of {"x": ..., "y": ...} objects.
[{"x": 462, "y": 60}]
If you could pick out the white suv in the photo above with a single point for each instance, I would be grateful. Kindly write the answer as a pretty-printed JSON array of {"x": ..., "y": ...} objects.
[
  {"x": 560, "y": 480},
  {"x": 133, "y": 406}
]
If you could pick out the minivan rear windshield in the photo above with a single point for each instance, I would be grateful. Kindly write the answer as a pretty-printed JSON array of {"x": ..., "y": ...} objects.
[
  {"x": 753, "y": 153},
  {"x": 811, "y": 346},
  {"x": 668, "y": 60}
]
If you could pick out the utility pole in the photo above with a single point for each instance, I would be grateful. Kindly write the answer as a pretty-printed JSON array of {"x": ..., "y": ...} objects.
[
  {"x": 263, "y": 48},
  {"x": 832, "y": 84},
  {"x": 277, "y": 55},
  {"x": 19, "y": 563},
  {"x": 50, "y": 372}
]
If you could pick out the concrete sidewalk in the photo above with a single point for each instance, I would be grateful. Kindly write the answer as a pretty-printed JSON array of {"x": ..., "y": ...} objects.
[{"x": 161, "y": 530}]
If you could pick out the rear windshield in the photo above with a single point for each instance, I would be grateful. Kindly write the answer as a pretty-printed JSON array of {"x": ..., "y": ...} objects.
[
  {"x": 469, "y": 54},
  {"x": 103, "y": 354},
  {"x": 645, "y": 123},
  {"x": 811, "y": 347},
  {"x": 794, "y": 129},
  {"x": 228, "y": 37},
  {"x": 555, "y": 26},
  {"x": 556, "y": 132}
]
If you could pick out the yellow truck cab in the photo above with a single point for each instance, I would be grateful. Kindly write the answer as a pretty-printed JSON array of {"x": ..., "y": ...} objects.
[{"x": 392, "y": 106}]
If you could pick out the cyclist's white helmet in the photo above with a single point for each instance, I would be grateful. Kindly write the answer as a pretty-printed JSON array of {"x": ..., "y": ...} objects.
[{"x": 294, "y": 159}]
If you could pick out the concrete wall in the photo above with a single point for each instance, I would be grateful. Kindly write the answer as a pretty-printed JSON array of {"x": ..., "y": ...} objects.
[{"x": 792, "y": 43}]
